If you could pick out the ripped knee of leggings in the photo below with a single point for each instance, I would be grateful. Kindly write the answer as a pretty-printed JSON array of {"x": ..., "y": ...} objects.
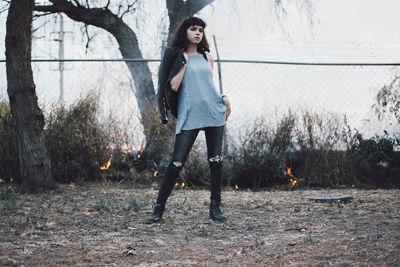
[
  {"x": 217, "y": 159},
  {"x": 177, "y": 164}
]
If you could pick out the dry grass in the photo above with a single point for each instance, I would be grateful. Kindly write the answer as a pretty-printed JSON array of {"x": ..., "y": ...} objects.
[{"x": 103, "y": 225}]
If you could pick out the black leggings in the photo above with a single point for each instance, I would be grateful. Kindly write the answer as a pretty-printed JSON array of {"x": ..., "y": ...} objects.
[{"x": 183, "y": 144}]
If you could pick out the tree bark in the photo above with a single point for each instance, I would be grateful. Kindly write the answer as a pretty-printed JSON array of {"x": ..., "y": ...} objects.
[
  {"x": 35, "y": 169},
  {"x": 178, "y": 10}
]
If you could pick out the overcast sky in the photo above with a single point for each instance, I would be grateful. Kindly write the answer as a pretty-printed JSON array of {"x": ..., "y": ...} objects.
[{"x": 343, "y": 30}]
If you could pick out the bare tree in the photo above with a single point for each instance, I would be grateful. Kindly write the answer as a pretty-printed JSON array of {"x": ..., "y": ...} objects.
[
  {"x": 104, "y": 18},
  {"x": 388, "y": 100},
  {"x": 110, "y": 18},
  {"x": 35, "y": 169}
]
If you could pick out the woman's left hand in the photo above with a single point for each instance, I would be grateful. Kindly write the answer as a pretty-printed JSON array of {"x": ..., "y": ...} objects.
[{"x": 228, "y": 107}]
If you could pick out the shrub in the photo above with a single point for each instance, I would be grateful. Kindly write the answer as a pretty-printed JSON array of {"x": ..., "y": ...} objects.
[
  {"x": 378, "y": 162},
  {"x": 322, "y": 150},
  {"x": 160, "y": 139},
  {"x": 196, "y": 171},
  {"x": 260, "y": 155},
  {"x": 76, "y": 141},
  {"x": 144, "y": 164},
  {"x": 8, "y": 144},
  {"x": 375, "y": 150},
  {"x": 324, "y": 156}
]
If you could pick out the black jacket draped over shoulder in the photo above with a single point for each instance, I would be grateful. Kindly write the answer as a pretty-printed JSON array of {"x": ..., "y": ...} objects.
[{"x": 171, "y": 63}]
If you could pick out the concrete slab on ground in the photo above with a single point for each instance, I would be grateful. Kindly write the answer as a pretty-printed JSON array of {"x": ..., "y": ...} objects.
[{"x": 330, "y": 198}]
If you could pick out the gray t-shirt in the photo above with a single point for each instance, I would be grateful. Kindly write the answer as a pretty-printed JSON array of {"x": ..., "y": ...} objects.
[{"x": 199, "y": 104}]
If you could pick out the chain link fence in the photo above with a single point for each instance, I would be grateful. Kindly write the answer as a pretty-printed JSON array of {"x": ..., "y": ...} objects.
[{"x": 256, "y": 89}]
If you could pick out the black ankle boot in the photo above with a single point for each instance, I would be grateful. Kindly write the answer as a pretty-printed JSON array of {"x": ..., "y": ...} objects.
[
  {"x": 157, "y": 214},
  {"x": 215, "y": 213}
]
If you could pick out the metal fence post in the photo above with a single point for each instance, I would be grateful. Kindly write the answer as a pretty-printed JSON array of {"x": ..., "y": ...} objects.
[{"x": 222, "y": 92}]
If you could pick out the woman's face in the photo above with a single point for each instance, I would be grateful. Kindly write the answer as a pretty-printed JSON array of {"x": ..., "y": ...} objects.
[{"x": 195, "y": 34}]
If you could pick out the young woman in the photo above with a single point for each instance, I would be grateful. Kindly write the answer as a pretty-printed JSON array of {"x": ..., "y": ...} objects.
[{"x": 186, "y": 88}]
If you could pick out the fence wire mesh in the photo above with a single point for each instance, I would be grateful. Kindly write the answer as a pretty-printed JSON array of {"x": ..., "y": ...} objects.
[{"x": 255, "y": 90}]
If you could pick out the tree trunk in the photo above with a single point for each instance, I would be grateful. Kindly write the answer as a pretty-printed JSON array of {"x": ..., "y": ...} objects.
[
  {"x": 141, "y": 74},
  {"x": 35, "y": 169},
  {"x": 178, "y": 10}
]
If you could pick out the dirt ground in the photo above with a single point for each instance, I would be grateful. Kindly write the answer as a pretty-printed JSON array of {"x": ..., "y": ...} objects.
[{"x": 103, "y": 225}]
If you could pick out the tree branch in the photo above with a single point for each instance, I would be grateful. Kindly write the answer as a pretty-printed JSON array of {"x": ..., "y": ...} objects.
[
  {"x": 51, "y": 9},
  {"x": 35, "y": 16},
  {"x": 5, "y": 7},
  {"x": 98, "y": 17},
  {"x": 77, "y": 3},
  {"x": 37, "y": 28},
  {"x": 88, "y": 38},
  {"x": 128, "y": 9},
  {"x": 119, "y": 8}
]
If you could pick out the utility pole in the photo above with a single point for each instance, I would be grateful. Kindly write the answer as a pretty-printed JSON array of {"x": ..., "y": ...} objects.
[
  {"x": 61, "y": 63},
  {"x": 60, "y": 41}
]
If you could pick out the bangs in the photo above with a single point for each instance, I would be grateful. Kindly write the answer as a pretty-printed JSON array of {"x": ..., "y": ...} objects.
[{"x": 194, "y": 21}]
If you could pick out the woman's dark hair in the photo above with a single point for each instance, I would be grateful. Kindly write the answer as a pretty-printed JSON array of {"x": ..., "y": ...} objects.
[{"x": 180, "y": 37}]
